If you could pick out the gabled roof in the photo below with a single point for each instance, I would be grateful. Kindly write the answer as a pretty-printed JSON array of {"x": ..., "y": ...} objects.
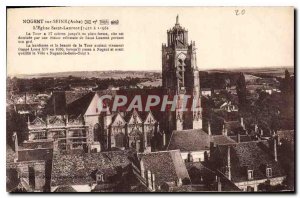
[
  {"x": 189, "y": 140},
  {"x": 57, "y": 120},
  {"x": 132, "y": 116},
  {"x": 149, "y": 118},
  {"x": 118, "y": 120},
  {"x": 71, "y": 96},
  {"x": 253, "y": 156},
  {"x": 167, "y": 166},
  {"x": 222, "y": 140},
  {"x": 81, "y": 168},
  {"x": 38, "y": 122},
  {"x": 56, "y": 105},
  {"x": 80, "y": 106}
]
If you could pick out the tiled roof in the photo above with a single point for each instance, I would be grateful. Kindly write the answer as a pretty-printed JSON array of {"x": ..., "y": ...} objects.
[
  {"x": 222, "y": 140},
  {"x": 71, "y": 96},
  {"x": 200, "y": 167},
  {"x": 35, "y": 154},
  {"x": 209, "y": 175},
  {"x": 243, "y": 138},
  {"x": 37, "y": 145},
  {"x": 79, "y": 106},
  {"x": 252, "y": 155},
  {"x": 56, "y": 105},
  {"x": 288, "y": 135},
  {"x": 167, "y": 166},
  {"x": 80, "y": 168},
  {"x": 189, "y": 140}
]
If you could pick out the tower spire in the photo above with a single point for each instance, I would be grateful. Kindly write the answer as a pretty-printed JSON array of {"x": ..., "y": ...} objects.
[{"x": 177, "y": 20}]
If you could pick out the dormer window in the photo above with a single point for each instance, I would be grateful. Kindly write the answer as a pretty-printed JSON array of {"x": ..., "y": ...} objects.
[
  {"x": 100, "y": 178},
  {"x": 250, "y": 174},
  {"x": 269, "y": 172}
]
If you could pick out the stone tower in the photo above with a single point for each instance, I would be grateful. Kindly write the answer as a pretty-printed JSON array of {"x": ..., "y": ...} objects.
[{"x": 180, "y": 76}]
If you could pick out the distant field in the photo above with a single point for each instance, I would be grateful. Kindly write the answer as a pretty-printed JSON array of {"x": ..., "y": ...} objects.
[
  {"x": 271, "y": 71},
  {"x": 94, "y": 74},
  {"x": 117, "y": 74},
  {"x": 249, "y": 77},
  {"x": 155, "y": 83}
]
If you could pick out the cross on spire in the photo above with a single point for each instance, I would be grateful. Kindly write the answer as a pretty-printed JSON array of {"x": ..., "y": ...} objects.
[{"x": 177, "y": 20}]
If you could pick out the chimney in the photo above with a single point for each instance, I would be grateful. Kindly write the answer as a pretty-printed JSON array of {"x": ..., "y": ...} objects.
[
  {"x": 153, "y": 181},
  {"x": 219, "y": 185},
  {"x": 149, "y": 180},
  {"x": 25, "y": 100},
  {"x": 142, "y": 168},
  {"x": 242, "y": 123},
  {"x": 179, "y": 182},
  {"x": 16, "y": 146},
  {"x": 209, "y": 128},
  {"x": 164, "y": 139},
  {"x": 225, "y": 131},
  {"x": 275, "y": 150},
  {"x": 238, "y": 138},
  {"x": 190, "y": 157},
  {"x": 228, "y": 167}
]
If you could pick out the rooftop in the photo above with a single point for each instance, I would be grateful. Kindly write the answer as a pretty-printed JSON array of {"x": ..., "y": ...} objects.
[{"x": 167, "y": 166}]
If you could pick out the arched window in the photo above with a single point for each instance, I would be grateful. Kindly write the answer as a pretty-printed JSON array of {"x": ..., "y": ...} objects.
[
  {"x": 120, "y": 138},
  {"x": 97, "y": 131}
]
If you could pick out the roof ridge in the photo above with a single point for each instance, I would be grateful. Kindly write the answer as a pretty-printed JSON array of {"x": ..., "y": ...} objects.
[
  {"x": 169, "y": 140},
  {"x": 164, "y": 151}
]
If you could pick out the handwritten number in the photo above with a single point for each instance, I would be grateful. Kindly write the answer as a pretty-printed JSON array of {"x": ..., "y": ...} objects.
[{"x": 240, "y": 12}]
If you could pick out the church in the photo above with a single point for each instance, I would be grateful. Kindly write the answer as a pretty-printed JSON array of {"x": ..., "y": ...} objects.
[
  {"x": 180, "y": 76},
  {"x": 75, "y": 121}
]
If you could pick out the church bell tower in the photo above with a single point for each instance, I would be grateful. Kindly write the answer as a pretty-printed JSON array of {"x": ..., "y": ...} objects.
[{"x": 180, "y": 76}]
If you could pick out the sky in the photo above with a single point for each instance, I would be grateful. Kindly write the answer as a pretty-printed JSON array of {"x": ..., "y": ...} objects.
[{"x": 261, "y": 37}]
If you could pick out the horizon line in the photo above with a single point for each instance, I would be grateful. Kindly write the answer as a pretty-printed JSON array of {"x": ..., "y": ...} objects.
[{"x": 151, "y": 70}]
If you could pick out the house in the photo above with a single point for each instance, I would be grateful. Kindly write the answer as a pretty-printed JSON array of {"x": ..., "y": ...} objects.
[
  {"x": 28, "y": 165},
  {"x": 249, "y": 164},
  {"x": 93, "y": 172},
  {"x": 205, "y": 179},
  {"x": 193, "y": 144},
  {"x": 163, "y": 168}
]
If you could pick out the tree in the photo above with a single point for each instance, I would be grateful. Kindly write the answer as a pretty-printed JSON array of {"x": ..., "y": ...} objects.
[
  {"x": 287, "y": 89},
  {"x": 241, "y": 90}
]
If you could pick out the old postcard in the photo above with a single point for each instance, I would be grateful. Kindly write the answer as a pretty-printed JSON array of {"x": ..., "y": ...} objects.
[{"x": 150, "y": 99}]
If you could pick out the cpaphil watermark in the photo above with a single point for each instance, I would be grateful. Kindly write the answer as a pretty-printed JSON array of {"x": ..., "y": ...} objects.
[{"x": 149, "y": 102}]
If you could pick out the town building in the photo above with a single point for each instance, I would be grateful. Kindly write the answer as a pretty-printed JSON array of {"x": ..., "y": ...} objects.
[{"x": 249, "y": 164}]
